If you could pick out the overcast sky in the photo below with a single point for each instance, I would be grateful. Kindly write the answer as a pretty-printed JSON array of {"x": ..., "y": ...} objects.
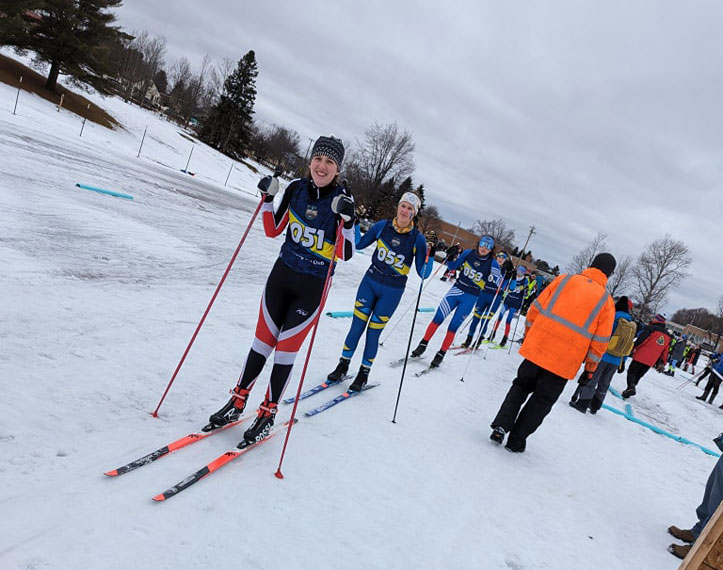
[{"x": 575, "y": 117}]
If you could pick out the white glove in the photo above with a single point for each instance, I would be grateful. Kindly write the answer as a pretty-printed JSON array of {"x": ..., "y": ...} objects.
[{"x": 269, "y": 185}]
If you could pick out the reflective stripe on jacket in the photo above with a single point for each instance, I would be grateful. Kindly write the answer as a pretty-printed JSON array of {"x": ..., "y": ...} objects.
[{"x": 570, "y": 322}]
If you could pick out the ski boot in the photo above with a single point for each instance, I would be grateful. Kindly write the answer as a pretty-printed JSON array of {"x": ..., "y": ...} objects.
[
  {"x": 437, "y": 360},
  {"x": 503, "y": 342},
  {"x": 361, "y": 379},
  {"x": 467, "y": 342},
  {"x": 340, "y": 371},
  {"x": 262, "y": 424},
  {"x": 491, "y": 338},
  {"x": 498, "y": 434},
  {"x": 419, "y": 351},
  {"x": 230, "y": 412}
]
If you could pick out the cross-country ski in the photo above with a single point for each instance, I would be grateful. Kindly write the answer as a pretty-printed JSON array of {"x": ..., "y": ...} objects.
[
  {"x": 217, "y": 463},
  {"x": 170, "y": 448},
  {"x": 338, "y": 400}
]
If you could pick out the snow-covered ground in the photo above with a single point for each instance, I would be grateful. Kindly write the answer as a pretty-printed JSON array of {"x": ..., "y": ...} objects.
[{"x": 100, "y": 296}]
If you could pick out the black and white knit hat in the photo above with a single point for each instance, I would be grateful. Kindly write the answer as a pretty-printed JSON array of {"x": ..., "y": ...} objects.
[{"x": 329, "y": 146}]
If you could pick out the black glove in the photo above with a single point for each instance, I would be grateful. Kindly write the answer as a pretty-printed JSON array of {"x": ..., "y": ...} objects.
[
  {"x": 621, "y": 368},
  {"x": 269, "y": 186},
  {"x": 344, "y": 206},
  {"x": 585, "y": 377},
  {"x": 431, "y": 239}
]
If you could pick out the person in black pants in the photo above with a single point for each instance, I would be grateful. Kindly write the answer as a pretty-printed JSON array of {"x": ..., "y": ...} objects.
[{"x": 311, "y": 210}]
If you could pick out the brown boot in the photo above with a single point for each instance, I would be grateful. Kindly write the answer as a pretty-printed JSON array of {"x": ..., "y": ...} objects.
[
  {"x": 681, "y": 534},
  {"x": 680, "y": 550}
]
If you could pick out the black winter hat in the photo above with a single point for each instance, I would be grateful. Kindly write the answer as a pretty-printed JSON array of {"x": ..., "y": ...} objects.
[
  {"x": 605, "y": 262},
  {"x": 623, "y": 304},
  {"x": 329, "y": 146}
]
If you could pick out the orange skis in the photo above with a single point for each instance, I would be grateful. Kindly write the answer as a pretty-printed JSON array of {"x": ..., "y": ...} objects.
[
  {"x": 216, "y": 464},
  {"x": 170, "y": 448}
]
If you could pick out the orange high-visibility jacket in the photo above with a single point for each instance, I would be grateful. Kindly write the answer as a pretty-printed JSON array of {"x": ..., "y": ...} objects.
[{"x": 570, "y": 322}]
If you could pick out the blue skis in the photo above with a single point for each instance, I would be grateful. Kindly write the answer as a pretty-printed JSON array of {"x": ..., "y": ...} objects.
[
  {"x": 340, "y": 398},
  {"x": 315, "y": 390}
]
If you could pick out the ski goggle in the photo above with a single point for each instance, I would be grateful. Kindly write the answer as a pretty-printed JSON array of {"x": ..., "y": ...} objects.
[
  {"x": 521, "y": 270},
  {"x": 487, "y": 242}
]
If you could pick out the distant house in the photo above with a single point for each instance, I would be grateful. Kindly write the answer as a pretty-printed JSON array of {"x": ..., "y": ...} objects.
[
  {"x": 134, "y": 91},
  {"x": 152, "y": 94},
  {"x": 702, "y": 337}
]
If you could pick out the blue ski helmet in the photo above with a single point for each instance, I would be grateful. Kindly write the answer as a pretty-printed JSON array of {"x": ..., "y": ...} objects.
[{"x": 487, "y": 242}]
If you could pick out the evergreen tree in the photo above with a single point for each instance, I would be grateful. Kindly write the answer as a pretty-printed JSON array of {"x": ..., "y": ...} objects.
[
  {"x": 420, "y": 192},
  {"x": 73, "y": 36},
  {"x": 228, "y": 126},
  {"x": 384, "y": 205},
  {"x": 161, "y": 81},
  {"x": 405, "y": 186},
  {"x": 13, "y": 23}
]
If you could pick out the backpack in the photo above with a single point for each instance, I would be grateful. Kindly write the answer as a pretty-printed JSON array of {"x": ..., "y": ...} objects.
[{"x": 621, "y": 343}]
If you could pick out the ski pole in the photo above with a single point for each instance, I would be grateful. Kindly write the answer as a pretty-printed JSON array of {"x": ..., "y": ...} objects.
[
  {"x": 514, "y": 332},
  {"x": 689, "y": 380},
  {"x": 409, "y": 343},
  {"x": 208, "y": 308},
  {"x": 404, "y": 314},
  {"x": 478, "y": 336},
  {"x": 324, "y": 295}
]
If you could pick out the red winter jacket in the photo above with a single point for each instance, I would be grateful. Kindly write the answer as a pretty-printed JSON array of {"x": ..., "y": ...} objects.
[{"x": 652, "y": 345}]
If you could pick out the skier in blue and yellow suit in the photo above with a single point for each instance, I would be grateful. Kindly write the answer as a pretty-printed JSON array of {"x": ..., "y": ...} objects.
[
  {"x": 399, "y": 244},
  {"x": 478, "y": 266}
]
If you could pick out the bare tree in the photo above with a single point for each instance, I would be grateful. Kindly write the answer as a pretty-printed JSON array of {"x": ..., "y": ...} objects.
[
  {"x": 620, "y": 280},
  {"x": 282, "y": 147},
  {"x": 504, "y": 236},
  {"x": 218, "y": 75},
  {"x": 584, "y": 257},
  {"x": 386, "y": 153},
  {"x": 429, "y": 219},
  {"x": 153, "y": 51},
  {"x": 180, "y": 74},
  {"x": 661, "y": 266},
  {"x": 189, "y": 93},
  {"x": 139, "y": 59},
  {"x": 699, "y": 317}
]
